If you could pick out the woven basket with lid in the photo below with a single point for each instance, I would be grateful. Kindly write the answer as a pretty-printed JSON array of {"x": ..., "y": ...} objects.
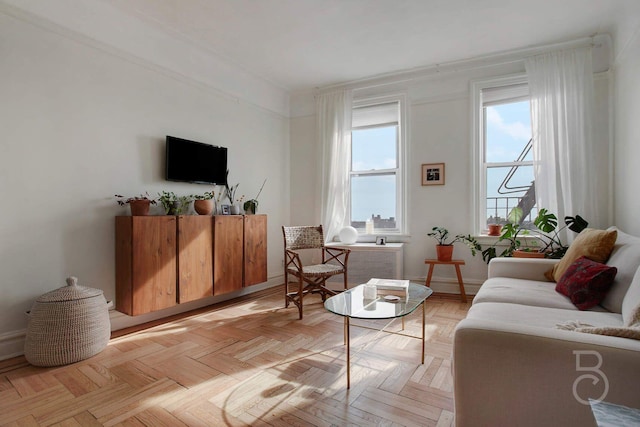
[{"x": 67, "y": 325}]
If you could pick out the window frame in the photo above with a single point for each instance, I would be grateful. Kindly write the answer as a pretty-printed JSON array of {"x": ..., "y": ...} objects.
[
  {"x": 478, "y": 146},
  {"x": 400, "y": 169}
]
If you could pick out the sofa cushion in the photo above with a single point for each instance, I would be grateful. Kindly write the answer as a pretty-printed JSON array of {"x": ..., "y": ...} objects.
[
  {"x": 586, "y": 282},
  {"x": 624, "y": 238},
  {"x": 526, "y": 292},
  {"x": 626, "y": 258},
  {"x": 631, "y": 300},
  {"x": 540, "y": 316},
  {"x": 591, "y": 243}
]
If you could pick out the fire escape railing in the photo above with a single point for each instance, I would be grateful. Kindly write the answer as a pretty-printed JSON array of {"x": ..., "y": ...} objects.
[{"x": 506, "y": 204}]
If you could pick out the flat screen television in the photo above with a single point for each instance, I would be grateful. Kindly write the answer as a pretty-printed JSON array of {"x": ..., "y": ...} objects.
[{"x": 191, "y": 161}]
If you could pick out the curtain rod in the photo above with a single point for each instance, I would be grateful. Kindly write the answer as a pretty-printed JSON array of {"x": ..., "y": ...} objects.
[{"x": 502, "y": 58}]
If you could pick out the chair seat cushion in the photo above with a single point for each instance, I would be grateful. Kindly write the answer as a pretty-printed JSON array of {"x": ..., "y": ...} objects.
[{"x": 319, "y": 270}]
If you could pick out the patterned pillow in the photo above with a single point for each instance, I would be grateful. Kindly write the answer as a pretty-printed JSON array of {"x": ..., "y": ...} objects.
[{"x": 586, "y": 282}]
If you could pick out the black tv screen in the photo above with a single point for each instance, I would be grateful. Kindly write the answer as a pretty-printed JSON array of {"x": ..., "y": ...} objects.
[{"x": 191, "y": 161}]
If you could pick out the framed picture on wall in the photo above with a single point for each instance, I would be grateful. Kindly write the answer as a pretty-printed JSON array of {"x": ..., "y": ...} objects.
[{"x": 433, "y": 174}]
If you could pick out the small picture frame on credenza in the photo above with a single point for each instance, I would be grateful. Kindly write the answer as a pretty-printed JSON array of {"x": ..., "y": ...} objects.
[
  {"x": 381, "y": 240},
  {"x": 226, "y": 209}
]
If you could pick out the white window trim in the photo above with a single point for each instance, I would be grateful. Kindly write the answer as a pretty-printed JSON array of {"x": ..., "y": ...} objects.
[
  {"x": 401, "y": 191},
  {"x": 478, "y": 178}
]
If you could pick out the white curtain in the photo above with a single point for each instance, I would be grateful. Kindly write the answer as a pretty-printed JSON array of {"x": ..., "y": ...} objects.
[
  {"x": 566, "y": 172},
  {"x": 333, "y": 113}
]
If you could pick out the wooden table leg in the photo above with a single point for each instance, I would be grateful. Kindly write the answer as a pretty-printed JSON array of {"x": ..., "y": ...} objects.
[
  {"x": 427, "y": 283},
  {"x": 463, "y": 295}
]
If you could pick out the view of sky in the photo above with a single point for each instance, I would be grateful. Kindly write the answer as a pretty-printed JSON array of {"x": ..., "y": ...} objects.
[
  {"x": 373, "y": 149},
  {"x": 508, "y": 128}
]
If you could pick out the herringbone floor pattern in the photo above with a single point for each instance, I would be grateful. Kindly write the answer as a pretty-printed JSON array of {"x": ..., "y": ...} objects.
[{"x": 248, "y": 363}]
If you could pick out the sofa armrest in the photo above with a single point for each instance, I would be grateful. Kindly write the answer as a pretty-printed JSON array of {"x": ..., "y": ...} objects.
[
  {"x": 520, "y": 268},
  {"x": 510, "y": 374}
]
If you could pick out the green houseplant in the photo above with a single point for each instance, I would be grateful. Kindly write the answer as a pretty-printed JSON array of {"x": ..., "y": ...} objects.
[
  {"x": 173, "y": 204},
  {"x": 203, "y": 204},
  {"x": 545, "y": 240},
  {"x": 251, "y": 205},
  {"x": 444, "y": 248},
  {"x": 139, "y": 205},
  {"x": 547, "y": 223}
]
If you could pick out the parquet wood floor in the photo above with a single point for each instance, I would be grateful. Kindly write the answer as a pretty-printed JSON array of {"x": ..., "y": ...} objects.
[{"x": 248, "y": 363}]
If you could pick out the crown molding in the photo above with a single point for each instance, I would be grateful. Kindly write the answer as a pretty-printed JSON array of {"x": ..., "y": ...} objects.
[
  {"x": 412, "y": 76},
  {"x": 92, "y": 24}
]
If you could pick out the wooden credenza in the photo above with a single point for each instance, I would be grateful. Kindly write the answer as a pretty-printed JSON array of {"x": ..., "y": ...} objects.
[{"x": 162, "y": 261}]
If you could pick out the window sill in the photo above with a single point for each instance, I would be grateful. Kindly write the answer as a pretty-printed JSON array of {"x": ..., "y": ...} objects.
[
  {"x": 486, "y": 239},
  {"x": 371, "y": 238}
]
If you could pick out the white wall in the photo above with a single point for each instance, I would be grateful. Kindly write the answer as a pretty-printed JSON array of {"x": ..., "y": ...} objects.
[
  {"x": 80, "y": 124},
  {"x": 439, "y": 117},
  {"x": 627, "y": 132}
]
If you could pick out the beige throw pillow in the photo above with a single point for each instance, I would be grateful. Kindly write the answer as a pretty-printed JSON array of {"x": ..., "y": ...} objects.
[{"x": 591, "y": 243}]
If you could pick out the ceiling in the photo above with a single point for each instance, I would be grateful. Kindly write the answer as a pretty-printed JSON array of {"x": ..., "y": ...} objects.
[{"x": 302, "y": 44}]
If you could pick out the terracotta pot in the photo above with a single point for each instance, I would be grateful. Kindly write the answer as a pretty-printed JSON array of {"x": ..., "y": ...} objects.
[
  {"x": 139, "y": 207},
  {"x": 203, "y": 207},
  {"x": 444, "y": 252},
  {"x": 527, "y": 254},
  {"x": 494, "y": 229}
]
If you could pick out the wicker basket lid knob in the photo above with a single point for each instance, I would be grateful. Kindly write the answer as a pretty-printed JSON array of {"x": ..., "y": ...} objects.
[{"x": 71, "y": 292}]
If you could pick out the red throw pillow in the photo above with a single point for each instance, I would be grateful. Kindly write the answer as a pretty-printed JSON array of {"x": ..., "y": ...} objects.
[{"x": 586, "y": 282}]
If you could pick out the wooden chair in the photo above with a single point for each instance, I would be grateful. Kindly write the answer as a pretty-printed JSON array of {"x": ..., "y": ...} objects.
[{"x": 310, "y": 278}]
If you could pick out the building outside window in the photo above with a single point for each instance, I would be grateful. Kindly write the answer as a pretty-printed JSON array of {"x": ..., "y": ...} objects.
[
  {"x": 503, "y": 155},
  {"x": 376, "y": 167}
]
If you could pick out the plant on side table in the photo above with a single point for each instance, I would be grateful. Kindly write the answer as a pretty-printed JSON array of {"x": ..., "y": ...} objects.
[
  {"x": 444, "y": 248},
  {"x": 139, "y": 205}
]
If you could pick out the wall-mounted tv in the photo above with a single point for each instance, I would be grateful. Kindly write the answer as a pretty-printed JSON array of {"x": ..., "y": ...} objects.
[{"x": 191, "y": 161}]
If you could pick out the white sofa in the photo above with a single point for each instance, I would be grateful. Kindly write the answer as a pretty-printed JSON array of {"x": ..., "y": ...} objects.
[{"x": 513, "y": 367}]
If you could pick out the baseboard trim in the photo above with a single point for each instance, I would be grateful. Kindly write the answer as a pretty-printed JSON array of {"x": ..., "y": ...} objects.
[
  {"x": 12, "y": 342},
  {"x": 448, "y": 285},
  {"x": 122, "y": 321}
]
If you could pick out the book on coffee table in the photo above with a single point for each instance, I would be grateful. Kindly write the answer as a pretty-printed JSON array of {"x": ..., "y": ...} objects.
[{"x": 390, "y": 286}]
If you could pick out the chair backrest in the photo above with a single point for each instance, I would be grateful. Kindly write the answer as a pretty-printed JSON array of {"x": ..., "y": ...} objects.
[{"x": 303, "y": 237}]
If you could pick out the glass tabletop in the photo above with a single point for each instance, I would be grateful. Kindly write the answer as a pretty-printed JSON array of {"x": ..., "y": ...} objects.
[{"x": 352, "y": 303}]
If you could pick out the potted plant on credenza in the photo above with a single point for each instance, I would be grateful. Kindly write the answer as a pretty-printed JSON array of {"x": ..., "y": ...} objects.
[
  {"x": 203, "y": 204},
  {"x": 139, "y": 205},
  {"x": 173, "y": 204}
]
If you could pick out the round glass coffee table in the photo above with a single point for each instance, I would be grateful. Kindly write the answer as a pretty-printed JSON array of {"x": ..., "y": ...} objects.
[{"x": 351, "y": 304}]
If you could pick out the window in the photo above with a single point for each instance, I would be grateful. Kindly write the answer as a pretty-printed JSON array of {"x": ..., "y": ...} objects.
[
  {"x": 503, "y": 157},
  {"x": 375, "y": 174}
]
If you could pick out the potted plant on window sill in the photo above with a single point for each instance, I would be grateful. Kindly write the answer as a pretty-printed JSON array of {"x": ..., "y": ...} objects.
[
  {"x": 444, "y": 248},
  {"x": 139, "y": 205},
  {"x": 548, "y": 233}
]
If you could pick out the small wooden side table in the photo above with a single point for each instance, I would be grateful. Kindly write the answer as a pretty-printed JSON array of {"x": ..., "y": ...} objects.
[{"x": 456, "y": 263}]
